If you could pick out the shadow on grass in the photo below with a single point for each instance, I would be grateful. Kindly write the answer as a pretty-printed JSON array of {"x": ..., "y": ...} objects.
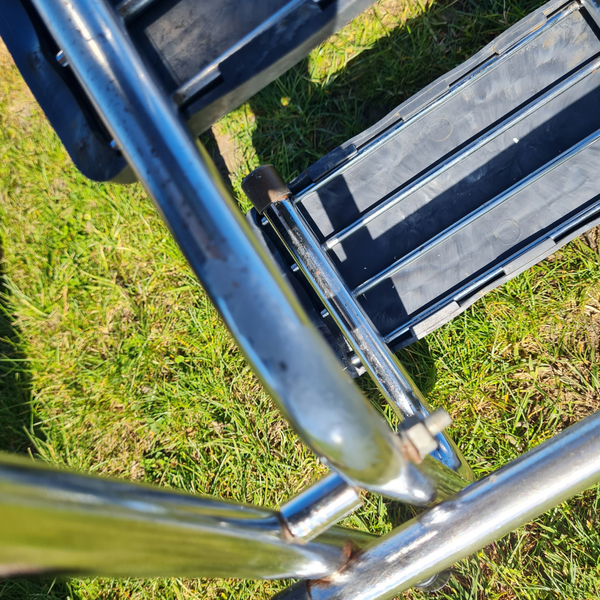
[
  {"x": 15, "y": 381},
  {"x": 15, "y": 423}
]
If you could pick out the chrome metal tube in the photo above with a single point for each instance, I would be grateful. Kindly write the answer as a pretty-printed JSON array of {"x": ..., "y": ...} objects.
[
  {"x": 485, "y": 511},
  {"x": 475, "y": 146},
  {"x": 593, "y": 8},
  {"x": 54, "y": 521},
  {"x": 389, "y": 375},
  {"x": 127, "y": 9},
  {"x": 490, "y": 205},
  {"x": 288, "y": 354},
  {"x": 319, "y": 506}
]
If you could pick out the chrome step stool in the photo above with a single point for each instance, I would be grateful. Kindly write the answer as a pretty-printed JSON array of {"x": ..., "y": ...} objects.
[{"x": 392, "y": 232}]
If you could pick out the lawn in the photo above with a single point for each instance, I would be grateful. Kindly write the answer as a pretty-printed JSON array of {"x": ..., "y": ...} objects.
[{"x": 113, "y": 361}]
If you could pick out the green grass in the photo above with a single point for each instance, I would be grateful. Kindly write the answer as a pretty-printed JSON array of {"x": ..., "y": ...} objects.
[{"x": 114, "y": 362}]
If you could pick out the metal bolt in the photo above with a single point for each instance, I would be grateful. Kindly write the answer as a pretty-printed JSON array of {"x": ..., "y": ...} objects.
[
  {"x": 324, "y": 313},
  {"x": 421, "y": 434},
  {"x": 114, "y": 145},
  {"x": 264, "y": 221},
  {"x": 61, "y": 59},
  {"x": 295, "y": 268},
  {"x": 437, "y": 421}
]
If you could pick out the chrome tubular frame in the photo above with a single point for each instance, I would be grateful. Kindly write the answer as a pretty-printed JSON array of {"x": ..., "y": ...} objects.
[
  {"x": 447, "y": 465},
  {"x": 327, "y": 411},
  {"x": 129, "y": 9},
  {"x": 60, "y": 522}
]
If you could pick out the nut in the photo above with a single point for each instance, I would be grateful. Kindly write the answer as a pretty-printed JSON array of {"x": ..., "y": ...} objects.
[{"x": 421, "y": 433}]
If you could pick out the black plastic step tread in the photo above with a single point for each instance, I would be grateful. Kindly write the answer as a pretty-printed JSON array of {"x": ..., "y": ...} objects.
[
  {"x": 522, "y": 148},
  {"x": 565, "y": 42},
  {"x": 478, "y": 177},
  {"x": 487, "y": 242}
]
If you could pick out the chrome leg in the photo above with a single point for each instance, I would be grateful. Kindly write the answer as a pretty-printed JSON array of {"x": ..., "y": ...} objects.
[
  {"x": 294, "y": 363},
  {"x": 269, "y": 193},
  {"x": 385, "y": 369},
  {"x": 59, "y": 522}
]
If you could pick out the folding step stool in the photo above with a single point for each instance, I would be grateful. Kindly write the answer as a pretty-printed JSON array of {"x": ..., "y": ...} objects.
[{"x": 484, "y": 173}]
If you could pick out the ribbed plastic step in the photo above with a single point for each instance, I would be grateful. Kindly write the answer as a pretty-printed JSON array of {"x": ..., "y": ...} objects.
[{"x": 481, "y": 175}]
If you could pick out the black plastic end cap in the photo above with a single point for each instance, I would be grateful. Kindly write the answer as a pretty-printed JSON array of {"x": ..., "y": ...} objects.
[{"x": 264, "y": 186}]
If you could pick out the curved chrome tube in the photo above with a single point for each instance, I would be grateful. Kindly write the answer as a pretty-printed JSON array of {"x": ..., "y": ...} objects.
[
  {"x": 483, "y": 512},
  {"x": 318, "y": 507},
  {"x": 59, "y": 522},
  {"x": 446, "y": 463},
  {"x": 294, "y": 363}
]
